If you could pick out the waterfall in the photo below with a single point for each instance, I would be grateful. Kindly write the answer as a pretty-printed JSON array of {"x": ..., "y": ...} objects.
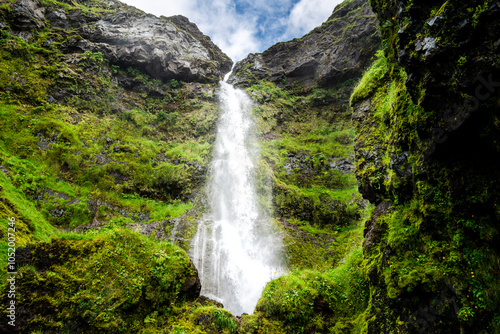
[{"x": 235, "y": 249}]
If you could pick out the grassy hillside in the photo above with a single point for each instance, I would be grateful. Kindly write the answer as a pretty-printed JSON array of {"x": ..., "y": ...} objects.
[{"x": 91, "y": 146}]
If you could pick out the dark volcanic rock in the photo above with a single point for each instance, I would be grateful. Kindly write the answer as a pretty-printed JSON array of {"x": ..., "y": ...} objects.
[
  {"x": 155, "y": 45},
  {"x": 427, "y": 140},
  {"x": 192, "y": 287},
  {"x": 450, "y": 57},
  {"x": 337, "y": 51},
  {"x": 57, "y": 18},
  {"x": 373, "y": 230},
  {"x": 165, "y": 48},
  {"x": 28, "y": 14}
]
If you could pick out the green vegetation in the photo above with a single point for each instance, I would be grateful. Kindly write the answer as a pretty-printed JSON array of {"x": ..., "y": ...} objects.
[
  {"x": 313, "y": 301},
  {"x": 90, "y": 146},
  {"x": 85, "y": 144},
  {"x": 106, "y": 281},
  {"x": 436, "y": 242},
  {"x": 81, "y": 148}
]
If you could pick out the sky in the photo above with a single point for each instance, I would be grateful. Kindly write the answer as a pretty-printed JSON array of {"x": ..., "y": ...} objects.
[{"x": 240, "y": 27}]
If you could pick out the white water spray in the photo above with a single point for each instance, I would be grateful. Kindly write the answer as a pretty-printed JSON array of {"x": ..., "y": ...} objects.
[{"x": 235, "y": 248}]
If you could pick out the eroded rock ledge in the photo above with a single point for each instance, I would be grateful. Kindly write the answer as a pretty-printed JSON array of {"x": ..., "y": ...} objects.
[{"x": 164, "y": 47}]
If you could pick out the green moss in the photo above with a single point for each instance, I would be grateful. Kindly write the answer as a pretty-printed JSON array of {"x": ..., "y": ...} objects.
[
  {"x": 437, "y": 236},
  {"x": 371, "y": 80},
  {"x": 308, "y": 300},
  {"x": 96, "y": 279},
  {"x": 321, "y": 249}
]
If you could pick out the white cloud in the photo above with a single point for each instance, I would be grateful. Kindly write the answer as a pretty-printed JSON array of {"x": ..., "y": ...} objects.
[
  {"x": 234, "y": 33},
  {"x": 308, "y": 14}
]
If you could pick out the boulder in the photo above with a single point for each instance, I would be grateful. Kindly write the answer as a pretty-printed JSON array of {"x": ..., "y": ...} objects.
[{"x": 154, "y": 45}]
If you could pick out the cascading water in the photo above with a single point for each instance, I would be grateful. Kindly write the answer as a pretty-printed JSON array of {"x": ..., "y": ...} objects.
[{"x": 235, "y": 249}]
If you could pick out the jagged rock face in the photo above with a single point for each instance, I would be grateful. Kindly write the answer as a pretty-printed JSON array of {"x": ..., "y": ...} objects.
[
  {"x": 28, "y": 15},
  {"x": 164, "y": 48},
  {"x": 427, "y": 119},
  {"x": 450, "y": 54},
  {"x": 337, "y": 51}
]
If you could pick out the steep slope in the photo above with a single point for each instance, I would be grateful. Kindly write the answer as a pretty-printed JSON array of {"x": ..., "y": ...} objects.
[
  {"x": 427, "y": 154},
  {"x": 108, "y": 117}
]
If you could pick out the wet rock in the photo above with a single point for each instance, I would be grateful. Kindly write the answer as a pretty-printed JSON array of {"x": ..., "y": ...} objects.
[
  {"x": 192, "y": 287},
  {"x": 373, "y": 230},
  {"x": 400, "y": 164},
  {"x": 118, "y": 177},
  {"x": 156, "y": 46},
  {"x": 156, "y": 229},
  {"x": 95, "y": 225},
  {"x": 57, "y": 212},
  {"x": 203, "y": 300},
  {"x": 342, "y": 165},
  {"x": 299, "y": 162},
  {"x": 5, "y": 170},
  {"x": 28, "y": 15},
  {"x": 57, "y": 18},
  {"x": 436, "y": 59},
  {"x": 23, "y": 256},
  {"x": 102, "y": 158},
  {"x": 322, "y": 307},
  {"x": 78, "y": 18},
  {"x": 44, "y": 142},
  {"x": 200, "y": 91},
  {"x": 163, "y": 47}
]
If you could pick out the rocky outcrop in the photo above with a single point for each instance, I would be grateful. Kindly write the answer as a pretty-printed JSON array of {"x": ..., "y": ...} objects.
[
  {"x": 427, "y": 120},
  {"x": 337, "y": 51},
  {"x": 450, "y": 55},
  {"x": 165, "y": 48}
]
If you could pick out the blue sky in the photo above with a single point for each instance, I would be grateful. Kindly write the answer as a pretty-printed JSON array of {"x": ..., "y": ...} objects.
[{"x": 240, "y": 27}]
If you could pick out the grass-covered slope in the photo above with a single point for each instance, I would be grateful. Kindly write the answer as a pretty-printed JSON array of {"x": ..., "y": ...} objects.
[
  {"x": 109, "y": 281},
  {"x": 90, "y": 145},
  {"x": 85, "y": 141}
]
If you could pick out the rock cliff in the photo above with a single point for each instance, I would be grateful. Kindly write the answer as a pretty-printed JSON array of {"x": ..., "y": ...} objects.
[
  {"x": 163, "y": 47},
  {"x": 427, "y": 154},
  {"x": 337, "y": 51}
]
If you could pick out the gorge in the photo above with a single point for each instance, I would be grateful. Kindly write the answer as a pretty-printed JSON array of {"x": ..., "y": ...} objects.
[{"x": 363, "y": 155}]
